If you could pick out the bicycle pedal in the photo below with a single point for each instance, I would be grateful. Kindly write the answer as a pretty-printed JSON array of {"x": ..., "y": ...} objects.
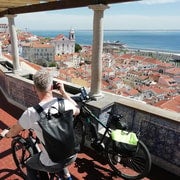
[
  {"x": 97, "y": 146},
  {"x": 65, "y": 178},
  {"x": 69, "y": 178}
]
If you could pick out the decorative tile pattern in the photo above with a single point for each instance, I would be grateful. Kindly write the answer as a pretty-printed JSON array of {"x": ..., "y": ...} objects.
[{"x": 160, "y": 135}]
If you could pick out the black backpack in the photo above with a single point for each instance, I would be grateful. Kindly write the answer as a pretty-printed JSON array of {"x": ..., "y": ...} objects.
[{"x": 57, "y": 132}]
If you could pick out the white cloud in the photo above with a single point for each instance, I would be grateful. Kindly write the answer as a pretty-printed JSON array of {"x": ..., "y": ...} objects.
[
  {"x": 55, "y": 21},
  {"x": 157, "y": 1}
]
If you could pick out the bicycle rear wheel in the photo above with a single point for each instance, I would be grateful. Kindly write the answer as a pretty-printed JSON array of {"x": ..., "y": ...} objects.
[
  {"x": 21, "y": 151},
  {"x": 129, "y": 166},
  {"x": 80, "y": 131}
]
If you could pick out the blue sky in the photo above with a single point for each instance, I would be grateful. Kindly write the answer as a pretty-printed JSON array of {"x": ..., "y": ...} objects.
[{"x": 145, "y": 14}]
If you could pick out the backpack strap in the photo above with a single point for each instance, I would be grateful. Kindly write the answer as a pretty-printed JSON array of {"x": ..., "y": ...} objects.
[
  {"x": 61, "y": 107},
  {"x": 39, "y": 109}
]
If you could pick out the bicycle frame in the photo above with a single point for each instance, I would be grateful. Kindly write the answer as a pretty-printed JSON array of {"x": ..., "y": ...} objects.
[
  {"x": 97, "y": 141},
  {"x": 33, "y": 141},
  {"x": 130, "y": 161}
]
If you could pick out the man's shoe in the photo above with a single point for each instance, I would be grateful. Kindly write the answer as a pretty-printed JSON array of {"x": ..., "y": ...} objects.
[{"x": 68, "y": 178}]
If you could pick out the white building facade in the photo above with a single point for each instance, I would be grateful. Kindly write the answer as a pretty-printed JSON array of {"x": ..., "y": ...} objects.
[
  {"x": 4, "y": 28},
  {"x": 38, "y": 52},
  {"x": 64, "y": 45}
]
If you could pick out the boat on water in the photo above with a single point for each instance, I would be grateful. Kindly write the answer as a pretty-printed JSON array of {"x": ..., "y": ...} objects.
[{"x": 114, "y": 43}]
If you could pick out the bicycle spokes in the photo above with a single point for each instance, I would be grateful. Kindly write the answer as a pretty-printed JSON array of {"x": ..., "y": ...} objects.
[
  {"x": 129, "y": 166},
  {"x": 21, "y": 152}
]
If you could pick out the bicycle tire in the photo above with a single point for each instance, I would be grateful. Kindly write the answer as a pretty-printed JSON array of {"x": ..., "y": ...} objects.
[
  {"x": 21, "y": 151},
  {"x": 80, "y": 132},
  {"x": 128, "y": 166}
]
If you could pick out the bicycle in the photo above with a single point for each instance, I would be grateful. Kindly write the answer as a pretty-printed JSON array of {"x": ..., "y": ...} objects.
[
  {"x": 23, "y": 148},
  {"x": 134, "y": 164}
]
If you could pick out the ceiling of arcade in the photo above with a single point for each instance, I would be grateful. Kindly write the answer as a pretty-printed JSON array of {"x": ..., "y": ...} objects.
[{"x": 29, "y": 6}]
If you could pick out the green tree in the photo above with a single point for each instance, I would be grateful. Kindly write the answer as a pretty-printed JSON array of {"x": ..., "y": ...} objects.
[
  {"x": 52, "y": 64},
  {"x": 78, "y": 48}
]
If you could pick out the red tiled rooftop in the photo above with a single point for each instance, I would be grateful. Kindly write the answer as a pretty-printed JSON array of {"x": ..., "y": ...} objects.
[
  {"x": 89, "y": 165},
  {"x": 59, "y": 37}
]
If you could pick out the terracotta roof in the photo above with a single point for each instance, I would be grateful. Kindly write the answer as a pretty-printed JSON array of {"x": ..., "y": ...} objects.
[
  {"x": 59, "y": 37},
  {"x": 127, "y": 56},
  {"x": 157, "y": 90},
  {"x": 152, "y": 60},
  {"x": 37, "y": 45},
  {"x": 135, "y": 57},
  {"x": 35, "y": 66},
  {"x": 173, "y": 104},
  {"x": 174, "y": 70}
]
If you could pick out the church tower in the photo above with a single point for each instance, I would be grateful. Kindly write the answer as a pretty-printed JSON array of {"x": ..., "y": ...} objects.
[{"x": 72, "y": 35}]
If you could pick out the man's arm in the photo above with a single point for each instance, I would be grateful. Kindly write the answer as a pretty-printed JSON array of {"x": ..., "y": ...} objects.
[{"x": 65, "y": 95}]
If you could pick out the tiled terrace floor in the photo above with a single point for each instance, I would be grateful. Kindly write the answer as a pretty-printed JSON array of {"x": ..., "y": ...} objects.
[{"x": 89, "y": 165}]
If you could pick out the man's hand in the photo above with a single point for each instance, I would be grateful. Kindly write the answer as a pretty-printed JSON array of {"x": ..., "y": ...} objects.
[
  {"x": 61, "y": 89},
  {"x": 4, "y": 132}
]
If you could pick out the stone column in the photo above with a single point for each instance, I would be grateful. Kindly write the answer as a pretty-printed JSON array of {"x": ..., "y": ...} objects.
[
  {"x": 14, "y": 43},
  {"x": 96, "y": 69}
]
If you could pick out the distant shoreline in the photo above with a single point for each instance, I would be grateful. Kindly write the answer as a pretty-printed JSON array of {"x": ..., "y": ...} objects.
[
  {"x": 156, "y": 50},
  {"x": 156, "y": 40},
  {"x": 163, "y": 30}
]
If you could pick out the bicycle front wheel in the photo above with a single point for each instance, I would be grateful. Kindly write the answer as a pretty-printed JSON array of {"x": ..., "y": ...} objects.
[
  {"x": 21, "y": 151},
  {"x": 129, "y": 166}
]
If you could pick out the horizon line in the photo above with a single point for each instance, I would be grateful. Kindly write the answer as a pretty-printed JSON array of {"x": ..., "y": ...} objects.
[{"x": 107, "y": 29}]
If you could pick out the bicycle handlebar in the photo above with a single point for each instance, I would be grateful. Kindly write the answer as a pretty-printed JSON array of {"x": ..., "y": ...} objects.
[{"x": 83, "y": 97}]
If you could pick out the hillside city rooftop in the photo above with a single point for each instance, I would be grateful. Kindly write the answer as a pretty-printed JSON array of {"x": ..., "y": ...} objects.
[{"x": 141, "y": 75}]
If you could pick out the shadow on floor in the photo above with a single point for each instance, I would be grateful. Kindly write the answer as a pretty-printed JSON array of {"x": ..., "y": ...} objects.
[
  {"x": 8, "y": 173},
  {"x": 11, "y": 109},
  {"x": 85, "y": 165}
]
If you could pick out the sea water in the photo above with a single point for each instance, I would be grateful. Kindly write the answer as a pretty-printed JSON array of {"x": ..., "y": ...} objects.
[{"x": 160, "y": 40}]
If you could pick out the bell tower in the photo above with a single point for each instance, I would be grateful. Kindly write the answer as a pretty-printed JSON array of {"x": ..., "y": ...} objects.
[{"x": 72, "y": 34}]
